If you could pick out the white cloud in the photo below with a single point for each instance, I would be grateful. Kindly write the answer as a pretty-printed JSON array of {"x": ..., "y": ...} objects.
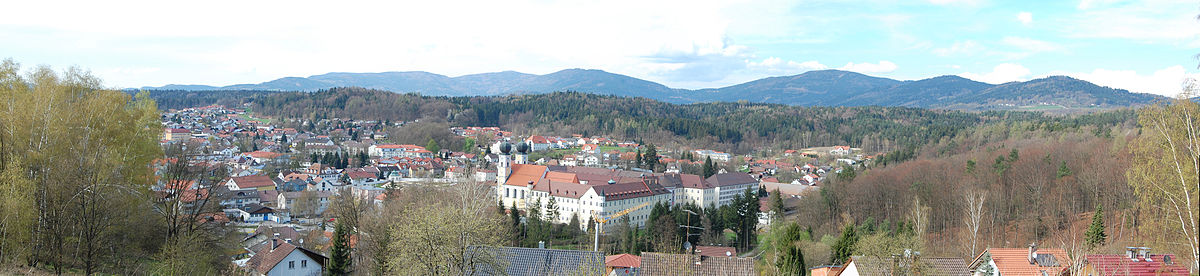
[
  {"x": 1005, "y": 72},
  {"x": 964, "y": 48},
  {"x": 867, "y": 68},
  {"x": 1026, "y": 18},
  {"x": 1167, "y": 81},
  {"x": 301, "y": 38},
  {"x": 1027, "y": 47},
  {"x": 1161, "y": 21}
]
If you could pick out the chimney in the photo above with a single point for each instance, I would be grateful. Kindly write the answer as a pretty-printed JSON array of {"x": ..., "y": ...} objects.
[
  {"x": 541, "y": 244},
  {"x": 1033, "y": 253}
]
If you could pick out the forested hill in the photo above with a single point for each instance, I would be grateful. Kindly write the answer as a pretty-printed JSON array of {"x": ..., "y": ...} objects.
[
  {"x": 813, "y": 88},
  {"x": 738, "y": 127}
]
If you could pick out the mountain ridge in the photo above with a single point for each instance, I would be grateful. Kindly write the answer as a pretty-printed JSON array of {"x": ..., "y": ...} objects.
[{"x": 813, "y": 88}]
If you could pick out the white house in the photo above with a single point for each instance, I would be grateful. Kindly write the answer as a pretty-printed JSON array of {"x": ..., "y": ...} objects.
[
  {"x": 840, "y": 150},
  {"x": 282, "y": 258}
]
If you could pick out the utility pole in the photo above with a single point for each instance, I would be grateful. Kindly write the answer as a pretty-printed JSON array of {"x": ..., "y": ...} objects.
[{"x": 688, "y": 230}]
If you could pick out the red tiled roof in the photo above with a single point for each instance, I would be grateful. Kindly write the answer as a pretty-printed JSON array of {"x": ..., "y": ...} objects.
[
  {"x": 263, "y": 154},
  {"x": 623, "y": 260},
  {"x": 561, "y": 189},
  {"x": 1121, "y": 265},
  {"x": 1015, "y": 261},
  {"x": 524, "y": 174},
  {"x": 253, "y": 181}
]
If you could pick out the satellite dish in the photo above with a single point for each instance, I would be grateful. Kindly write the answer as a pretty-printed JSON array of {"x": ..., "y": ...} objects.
[{"x": 687, "y": 246}]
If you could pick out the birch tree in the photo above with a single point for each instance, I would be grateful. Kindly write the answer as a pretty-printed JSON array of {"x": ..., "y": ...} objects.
[{"x": 1166, "y": 162}]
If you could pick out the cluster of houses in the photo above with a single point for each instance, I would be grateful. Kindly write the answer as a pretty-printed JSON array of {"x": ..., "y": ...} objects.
[{"x": 1013, "y": 261}]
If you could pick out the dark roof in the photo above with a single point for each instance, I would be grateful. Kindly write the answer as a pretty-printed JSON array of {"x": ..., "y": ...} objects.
[
  {"x": 623, "y": 191},
  {"x": 696, "y": 265},
  {"x": 484, "y": 260},
  {"x": 727, "y": 179}
]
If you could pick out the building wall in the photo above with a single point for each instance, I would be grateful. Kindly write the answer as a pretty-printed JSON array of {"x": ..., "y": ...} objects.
[
  {"x": 727, "y": 193},
  {"x": 303, "y": 265}
]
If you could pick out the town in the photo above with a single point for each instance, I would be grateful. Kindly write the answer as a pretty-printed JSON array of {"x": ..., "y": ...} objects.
[
  {"x": 281, "y": 184},
  {"x": 282, "y": 181}
]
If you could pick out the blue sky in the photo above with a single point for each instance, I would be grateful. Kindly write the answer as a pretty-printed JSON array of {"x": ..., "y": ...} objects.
[{"x": 1143, "y": 46}]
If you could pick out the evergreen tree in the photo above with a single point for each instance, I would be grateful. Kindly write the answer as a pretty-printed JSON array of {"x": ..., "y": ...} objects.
[
  {"x": 1095, "y": 234},
  {"x": 651, "y": 158},
  {"x": 843, "y": 248},
  {"x": 776, "y": 200},
  {"x": 638, "y": 159},
  {"x": 516, "y": 224},
  {"x": 708, "y": 167},
  {"x": 340, "y": 261},
  {"x": 500, "y": 207},
  {"x": 1063, "y": 170},
  {"x": 791, "y": 262}
]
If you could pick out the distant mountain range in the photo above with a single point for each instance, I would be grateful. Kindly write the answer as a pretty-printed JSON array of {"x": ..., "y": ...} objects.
[{"x": 813, "y": 88}]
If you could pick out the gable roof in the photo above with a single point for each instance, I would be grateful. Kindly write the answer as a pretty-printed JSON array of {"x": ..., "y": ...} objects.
[
  {"x": 621, "y": 191},
  {"x": 1116, "y": 264},
  {"x": 523, "y": 174},
  {"x": 483, "y": 260},
  {"x": 623, "y": 260},
  {"x": 716, "y": 251},
  {"x": 685, "y": 264},
  {"x": 1015, "y": 261},
  {"x": 253, "y": 181},
  {"x": 561, "y": 189},
  {"x": 267, "y": 258},
  {"x": 727, "y": 179}
]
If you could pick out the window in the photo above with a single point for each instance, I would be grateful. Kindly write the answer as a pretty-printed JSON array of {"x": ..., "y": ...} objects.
[
  {"x": 303, "y": 263},
  {"x": 291, "y": 264}
]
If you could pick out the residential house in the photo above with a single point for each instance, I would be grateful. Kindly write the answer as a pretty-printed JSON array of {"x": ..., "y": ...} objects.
[
  {"x": 695, "y": 265},
  {"x": 716, "y": 251},
  {"x": 622, "y": 265},
  {"x": 320, "y": 199},
  {"x": 840, "y": 150},
  {"x": 251, "y": 182},
  {"x": 488, "y": 260},
  {"x": 1137, "y": 261},
  {"x": 1020, "y": 261},
  {"x": 904, "y": 265},
  {"x": 176, "y": 134},
  {"x": 538, "y": 143},
  {"x": 282, "y": 258}
]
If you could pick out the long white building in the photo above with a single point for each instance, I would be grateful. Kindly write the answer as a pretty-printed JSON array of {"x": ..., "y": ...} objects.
[{"x": 590, "y": 192}]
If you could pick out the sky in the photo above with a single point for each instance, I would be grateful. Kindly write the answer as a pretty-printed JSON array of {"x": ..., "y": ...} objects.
[{"x": 1143, "y": 46}]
